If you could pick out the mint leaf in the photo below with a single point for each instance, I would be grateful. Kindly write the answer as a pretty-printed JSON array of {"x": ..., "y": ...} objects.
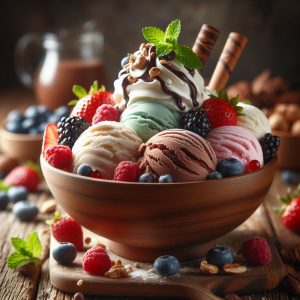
[
  {"x": 16, "y": 260},
  {"x": 34, "y": 245},
  {"x": 153, "y": 35},
  {"x": 94, "y": 87},
  {"x": 72, "y": 102},
  {"x": 187, "y": 57},
  {"x": 173, "y": 30},
  {"x": 3, "y": 186},
  {"x": 222, "y": 94},
  {"x": 79, "y": 91},
  {"x": 163, "y": 49},
  {"x": 18, "y": 243}
]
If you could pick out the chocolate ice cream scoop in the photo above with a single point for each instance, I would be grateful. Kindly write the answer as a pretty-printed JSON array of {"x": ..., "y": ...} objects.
[{"x": 183, "y": 154}]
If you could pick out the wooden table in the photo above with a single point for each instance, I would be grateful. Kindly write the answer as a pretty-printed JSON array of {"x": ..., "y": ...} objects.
[{"x": 13, "y": 286}]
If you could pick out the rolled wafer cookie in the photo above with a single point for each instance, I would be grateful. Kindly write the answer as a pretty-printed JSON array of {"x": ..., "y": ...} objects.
[
  {"x": 205, "y": 42},
  {"x": 230, "y": 55}
]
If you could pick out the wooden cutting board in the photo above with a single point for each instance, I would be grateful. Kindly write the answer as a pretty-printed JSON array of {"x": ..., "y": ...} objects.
[{"x": 191, "y": 284}]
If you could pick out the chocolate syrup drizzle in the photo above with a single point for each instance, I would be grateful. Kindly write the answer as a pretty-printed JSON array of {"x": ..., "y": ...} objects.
[{"x": 147, "y": 78}]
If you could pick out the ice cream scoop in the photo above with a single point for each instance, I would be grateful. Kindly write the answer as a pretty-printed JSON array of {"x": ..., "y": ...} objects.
[
  {"x": 236, "y": 142},
  {"x": 149, "y": 117},
  {"x": 180, "y": 153},
  {"x": 162, "y": 80},
  {"x": 253, "y": 119},
  {"x": 104, "y": 145}
]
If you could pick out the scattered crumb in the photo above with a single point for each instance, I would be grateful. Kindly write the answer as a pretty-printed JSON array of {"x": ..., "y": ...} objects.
[
  {"x": 48, "y": 207},
  {"x": 79, "y": 282},
  {"x": 87, "y": 240}
]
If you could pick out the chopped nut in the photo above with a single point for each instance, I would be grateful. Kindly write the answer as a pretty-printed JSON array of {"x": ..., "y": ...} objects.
[
  {"x": 154, "y": 72},
  {"x": 142, "y": 47},
  {"x": 131, "y": 58},
  {"x": 145, "y": 52},
  {"x": 132, "y": 79},
  {"x": 137, "y": 265},
  {"x": 140, "y": 62},
  {"x": 118, "y": 263},
  {"x": 87, "y": 240},
  {"x": 165, "y": 62},
  {"x": 79, "y": 282},
  {"x": 117, "y": 273},
  {"x": 48, "y": 207},
  {"x": 207, "y": 268},
  {"x": 128, "y": 268},
  {"x": 234, "y": 268}
]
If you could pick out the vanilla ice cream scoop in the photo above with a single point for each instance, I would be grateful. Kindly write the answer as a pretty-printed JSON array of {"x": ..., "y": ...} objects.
[
  {"x": 253, "y": 119},
  {"x": 147, "y": 76},
  {"x": 104, "y": 145}
]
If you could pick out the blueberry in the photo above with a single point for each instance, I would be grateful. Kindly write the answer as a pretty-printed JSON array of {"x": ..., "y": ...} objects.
[
  {"x": 290, "y": 177},
  {"x": 167, "y": 265},
  {"x": 28, "y": 124},
  {"x": 62, "y": 111},
  {"x": 14, "y": 116},
  {"x": 3, "y": 200},
  {"x": 167, "y": 178},
  {"x": 146, "y": 177},
  {"x": 219, "y": 256},
  {"x": 17, "y": 193},
  {"x": 214, "y": 175},
  {"x": 25, "y": 210},
  {"x": 14, "y": 127},
  {"x": 124, "y": 61},
  {"x": 230, "y": 167},
  {"x": 64, "y": 253},
  {"x": 31, "y": 112},
  {"x": 84, "y": 170}
]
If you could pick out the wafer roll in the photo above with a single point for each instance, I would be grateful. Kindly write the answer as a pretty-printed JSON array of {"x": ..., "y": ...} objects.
[
  {"x": 205, "y": 42},
  {"x": 230, "y": 55}
]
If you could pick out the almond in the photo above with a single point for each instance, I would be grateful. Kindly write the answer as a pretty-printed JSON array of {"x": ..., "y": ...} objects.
[
  {"x": 154, "y": 72},
  {"x": 234, "y": 268},
  {"x": 206, "y": 268}
]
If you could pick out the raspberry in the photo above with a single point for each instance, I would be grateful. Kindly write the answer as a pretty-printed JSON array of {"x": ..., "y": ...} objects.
[
  {"x": 127, "y": 171},
  {"x": 96, "y": 261},
  {"x": 106, "y": 112},
  {"x": 59, "y": 156},
  {"x": 68, "y": 230},
  {"x": 256, "y": 251}
]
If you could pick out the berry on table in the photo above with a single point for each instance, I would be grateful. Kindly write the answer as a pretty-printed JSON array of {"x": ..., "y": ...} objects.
[
  {"x": 25, "y": 210},
  {"x": 3, "y": 200},
  {"x": 69, "y": 129},
  {"x": 219, "y": 256},
  {"x": 167, "y": 265},
  {"x": 256, "y": 251},
  {"x": 106, "y": 112},
  {"x": 84, "y": 170},
  {"x": 68, "y": 230},
  {"x": 64, "y": 253},
  {"x": 253, "y": 166},
  {"x": 17, "y": 193},
  {"x": 230, "y": 167},
  {"x": 196, "y": 121},
  {"x": 214, "y": 175},
  {"x": 166, "y": 178},
  {"x": 59, "y": 156},
  {"x": 127, "y": 171},
  {"x": 146, "y": 178},
  {"x": 96, "y": 261},
  {"x": 291, "y": 215},
  {"x": 270, "y": 145}
]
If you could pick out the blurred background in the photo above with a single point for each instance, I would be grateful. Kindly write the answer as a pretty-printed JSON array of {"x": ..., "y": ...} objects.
[{"x": 272, "y": 27}]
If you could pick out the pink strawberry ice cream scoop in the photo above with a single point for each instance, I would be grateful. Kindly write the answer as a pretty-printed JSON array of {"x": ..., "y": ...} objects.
[
  {"x": 237, "y": 142},
  {"x": 182, "y": 154}
]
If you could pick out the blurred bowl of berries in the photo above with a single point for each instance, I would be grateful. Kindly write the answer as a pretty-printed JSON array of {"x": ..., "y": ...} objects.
[
  {"x": 145, "y": 220},
  {"x": 22, "y": 132}
]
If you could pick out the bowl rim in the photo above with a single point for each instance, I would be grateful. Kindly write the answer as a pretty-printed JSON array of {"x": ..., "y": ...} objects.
[
  {"x": 20, "y": 137},
  {"x": 44, "y": 163}
]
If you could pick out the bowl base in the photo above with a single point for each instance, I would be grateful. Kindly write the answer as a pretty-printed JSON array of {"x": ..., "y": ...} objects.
[{"x": 149, "y": 255}]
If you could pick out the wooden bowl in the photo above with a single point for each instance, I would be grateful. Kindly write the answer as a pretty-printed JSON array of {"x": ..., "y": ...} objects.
[
  {"x": 289, "y": 151},
  {"x": 143, "y": 221},
  {"x": 21, "y": 146}
]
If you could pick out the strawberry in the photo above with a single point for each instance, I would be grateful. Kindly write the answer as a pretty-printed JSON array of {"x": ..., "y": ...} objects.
[
  {"x": 88, "y": 103},
  {"x": 290, "y": 210},
  {"x": 221, "y": 110},
  {"x": 25, "y": 175},
  {"x": 50, "y": 137},
  {"x": 67, "y": 229}
]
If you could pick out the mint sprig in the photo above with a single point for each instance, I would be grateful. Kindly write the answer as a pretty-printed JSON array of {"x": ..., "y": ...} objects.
[
  {"x": 167, "y": 41},
  {"x": 27, "y": 251}
]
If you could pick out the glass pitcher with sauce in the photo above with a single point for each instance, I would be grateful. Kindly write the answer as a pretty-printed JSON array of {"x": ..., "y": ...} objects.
[{"x": 68, "y": 58}]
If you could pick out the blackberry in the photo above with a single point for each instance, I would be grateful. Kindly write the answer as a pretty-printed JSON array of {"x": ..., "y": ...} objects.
[
  {"x": 269, "y": 144},
  {"x": 69, "y": 129},
  {"x": 197, "y": 122}
]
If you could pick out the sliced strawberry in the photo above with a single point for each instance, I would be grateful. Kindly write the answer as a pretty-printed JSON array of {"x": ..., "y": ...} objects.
[{"x": 50, "y": 137}]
